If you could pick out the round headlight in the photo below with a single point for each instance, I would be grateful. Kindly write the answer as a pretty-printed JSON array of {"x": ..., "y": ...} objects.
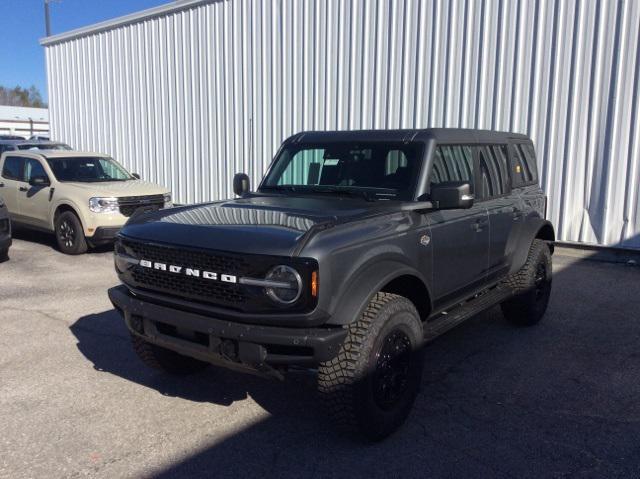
[{"x": 291, "y": 282}]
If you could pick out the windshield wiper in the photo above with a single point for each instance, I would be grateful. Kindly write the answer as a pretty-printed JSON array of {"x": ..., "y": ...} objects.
[
  {"x": 346, "y": 192},
  {"x": 280, "y": 188}
]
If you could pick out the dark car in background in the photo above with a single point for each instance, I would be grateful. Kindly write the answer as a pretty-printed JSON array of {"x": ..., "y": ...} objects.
[
  {"x": 5, "y": 231},
  {"x": 22, "y": 144}
]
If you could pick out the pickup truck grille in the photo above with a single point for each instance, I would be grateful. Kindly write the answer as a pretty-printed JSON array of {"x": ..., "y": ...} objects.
[
  {"x": 215, "y": 292},
  {"x": 129, "y": 204}
]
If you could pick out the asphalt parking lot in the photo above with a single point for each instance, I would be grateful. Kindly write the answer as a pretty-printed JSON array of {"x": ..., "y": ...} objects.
[{"x": 557, "y": 400}]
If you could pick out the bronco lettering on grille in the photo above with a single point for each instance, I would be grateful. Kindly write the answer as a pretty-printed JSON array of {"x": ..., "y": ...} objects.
[{"x": 172, "y": 268}]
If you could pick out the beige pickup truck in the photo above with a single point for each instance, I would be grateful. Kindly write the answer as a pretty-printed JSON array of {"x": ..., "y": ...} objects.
[{"x": 84, "y": 198}]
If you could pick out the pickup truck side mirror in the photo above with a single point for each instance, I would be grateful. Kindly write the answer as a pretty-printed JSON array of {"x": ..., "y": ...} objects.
[
  {"x": 450, "y": 195},
  {"x": 39, "y": 181},
  {"x": 241, "y": 184},
  {"x": 135, "y": 175}
]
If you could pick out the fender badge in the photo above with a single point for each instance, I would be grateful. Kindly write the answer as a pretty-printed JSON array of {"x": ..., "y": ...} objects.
[{"x": 425, "y": 240}]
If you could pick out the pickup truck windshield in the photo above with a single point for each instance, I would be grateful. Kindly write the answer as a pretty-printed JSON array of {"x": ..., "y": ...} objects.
[
  {"x": 369, "y": 170},
  {"x": 88, "y": 169}
]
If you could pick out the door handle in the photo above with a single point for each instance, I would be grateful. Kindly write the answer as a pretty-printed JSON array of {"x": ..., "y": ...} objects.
[{"x": 23, "y": 188}]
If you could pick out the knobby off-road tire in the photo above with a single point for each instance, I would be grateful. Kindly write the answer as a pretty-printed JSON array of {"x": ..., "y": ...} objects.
[
  {"x": 531, "y": 286},
  {"x": 69, "y": 234},
  {"x": 371, "y": 385},
  {"x": 165, "y": 360}
]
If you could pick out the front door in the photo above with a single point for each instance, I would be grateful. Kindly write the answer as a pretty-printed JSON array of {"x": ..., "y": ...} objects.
[
  {"x": 34, "y": 201},
  {"x": 460, "y": 238}
]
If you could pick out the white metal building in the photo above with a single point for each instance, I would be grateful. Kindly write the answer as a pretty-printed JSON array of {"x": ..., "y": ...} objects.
[
  {"x": 188, "y": 93},
  {"x": 24, "y": 121}
]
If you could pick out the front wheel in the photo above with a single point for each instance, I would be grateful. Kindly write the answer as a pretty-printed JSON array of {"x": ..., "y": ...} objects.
[
  {"x": 69, "y": 234},
  {"x": 531, "y": 287},
  {"x": 371, "y": 385}
]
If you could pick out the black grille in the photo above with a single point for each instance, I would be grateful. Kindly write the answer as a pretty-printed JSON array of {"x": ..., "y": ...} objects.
[
  {"x": 129, "y": 204},
  {"x": 210, "y": 291}
]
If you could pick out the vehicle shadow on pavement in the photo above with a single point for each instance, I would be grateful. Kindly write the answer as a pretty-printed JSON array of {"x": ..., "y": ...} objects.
[
  {"x": 49, "y": 239},
  {"x": 213, "y": 385},
  {"x": 558, "y": 399}
]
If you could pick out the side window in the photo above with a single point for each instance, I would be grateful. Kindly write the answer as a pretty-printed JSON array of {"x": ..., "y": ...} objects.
[
  {"x": 523, "y": 164},
  {"x": 33, "y": 169},
  {"x": 452, "y": 163},
  {"x": 12, "y": 169},
  {"x": 493, "y": 171}
]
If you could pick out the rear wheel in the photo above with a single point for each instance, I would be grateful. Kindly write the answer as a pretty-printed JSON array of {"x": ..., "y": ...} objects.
[
  {"x": 69, "y": 234},
  {"x": 371, "y": 385},
  {"x": 531, "y": 286},
  {"x": 164, "y": 359}
]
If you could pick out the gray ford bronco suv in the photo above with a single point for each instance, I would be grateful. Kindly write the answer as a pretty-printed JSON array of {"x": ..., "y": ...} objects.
[{"x": 356, "y": 249}]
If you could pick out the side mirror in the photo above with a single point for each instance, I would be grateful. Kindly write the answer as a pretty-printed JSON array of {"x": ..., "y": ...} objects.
[
  {"x": 39, "y": 181},
  {"x": 451, "y": 195},
  {"x": 241, "y": 184},
  {"x": 135, "y": 175}
]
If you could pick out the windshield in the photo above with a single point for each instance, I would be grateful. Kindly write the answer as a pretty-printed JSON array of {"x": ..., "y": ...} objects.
[
  {"x": 88, "y": 169},
  {"x": 43, "y": 146},
  {"x": 372, "y": 171}
]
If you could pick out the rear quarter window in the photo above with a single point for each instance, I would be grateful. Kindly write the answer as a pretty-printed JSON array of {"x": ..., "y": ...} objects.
[{"x": 523, "y": 165}]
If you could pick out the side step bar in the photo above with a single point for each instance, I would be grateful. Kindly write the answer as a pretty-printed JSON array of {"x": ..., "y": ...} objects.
[{"x": 450, "y": 319}]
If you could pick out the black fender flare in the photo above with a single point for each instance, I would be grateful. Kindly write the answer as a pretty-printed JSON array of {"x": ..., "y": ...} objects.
[
  {"x": 368, "y": 280},
  {"x": 534, "y": 227}
]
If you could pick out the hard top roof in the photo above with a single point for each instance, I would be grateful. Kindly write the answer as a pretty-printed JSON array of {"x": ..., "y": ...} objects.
[{"x": 459, "y": 135}]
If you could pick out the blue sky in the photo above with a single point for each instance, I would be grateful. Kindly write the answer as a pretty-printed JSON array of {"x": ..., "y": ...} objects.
[{"x": 22, "y": 25}]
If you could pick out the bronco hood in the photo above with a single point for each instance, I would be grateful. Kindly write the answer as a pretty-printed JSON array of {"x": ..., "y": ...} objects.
[{"x": 272, "y": 225}]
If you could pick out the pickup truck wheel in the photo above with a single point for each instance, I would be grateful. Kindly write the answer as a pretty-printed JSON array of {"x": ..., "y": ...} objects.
[
  {"x": 69, "y": 234},
  {"x": 163, "y": 359},
  {"x": 371, "y": 385},
  {"x": 531, "y": 286}
]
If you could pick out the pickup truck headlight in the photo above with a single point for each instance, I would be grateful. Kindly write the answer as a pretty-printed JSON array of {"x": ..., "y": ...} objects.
[
  {"x": 287, "y": 284},
  {"x": 167, "y": 200},
  {"x": 103, "y": 205}
]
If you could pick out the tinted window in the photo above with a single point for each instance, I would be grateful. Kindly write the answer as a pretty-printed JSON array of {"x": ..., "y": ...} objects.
[
  {"x": 493, "y": 170},
  {"x": 33, "y": 169},
  {"x": 452, "y": 163},
  {"x": 12, "y": 168},
  {"x": 523, "y": 164},
  {"x": 379, "y": 170}
]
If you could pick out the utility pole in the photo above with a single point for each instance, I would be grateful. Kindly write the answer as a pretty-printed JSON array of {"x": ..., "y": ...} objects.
[{"x": 47, "y": 19}]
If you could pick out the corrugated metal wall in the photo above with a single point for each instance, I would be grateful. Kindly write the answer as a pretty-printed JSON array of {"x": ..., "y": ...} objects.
[{"x": 189, "y": 97}]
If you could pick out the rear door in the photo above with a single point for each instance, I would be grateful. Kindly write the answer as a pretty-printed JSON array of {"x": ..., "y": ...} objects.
[
  {"x": 10, "y": 180},
  {"x": 460, "y": 238},
  {"x": 34, "y": 201},
  {"x": 504, "y": 214}
]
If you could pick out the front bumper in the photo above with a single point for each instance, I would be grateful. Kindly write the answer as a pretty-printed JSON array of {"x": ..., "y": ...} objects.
[
  {"x": 233, "y": 345},
  {"x": 104, "y": 234}
]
